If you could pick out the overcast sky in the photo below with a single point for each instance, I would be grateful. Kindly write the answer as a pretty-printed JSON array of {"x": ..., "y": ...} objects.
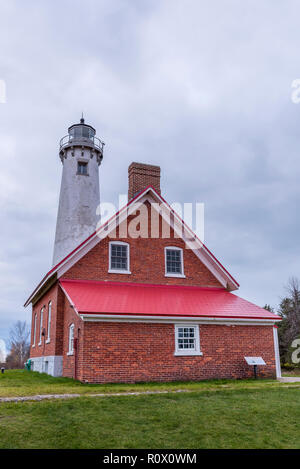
[{"x": 201, "y": 88}]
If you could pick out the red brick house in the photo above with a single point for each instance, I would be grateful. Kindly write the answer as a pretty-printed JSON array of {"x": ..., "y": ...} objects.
[{"x": 122, "y": 308}]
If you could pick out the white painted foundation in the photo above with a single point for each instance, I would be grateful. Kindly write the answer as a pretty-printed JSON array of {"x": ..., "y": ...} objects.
[{"x": 52, "y": 365}]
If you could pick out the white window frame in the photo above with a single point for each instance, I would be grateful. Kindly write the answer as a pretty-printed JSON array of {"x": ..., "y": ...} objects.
[
  {"x": 170, "y": 274},
  {"x": 119, "y": 271},
  {"x": 185, "y": 352},
  {"x": 71, "y": 339},
  {"x": 85, "y": 162},
  {"x": 34, "y": 329},
  {"x": 41, "y": 325},
  {"x": 49, "y": 322}
]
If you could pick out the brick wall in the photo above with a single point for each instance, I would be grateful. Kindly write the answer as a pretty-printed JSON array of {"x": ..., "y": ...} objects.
[
  {"x": 69, "y": 368},
  {"x": 131, "y": 352},
  {"x": 140, "y": 176},
  {"x": 128, "y": 352},
  {"x": 54, "y": 347},
  {"x": 147, "y": 261}
]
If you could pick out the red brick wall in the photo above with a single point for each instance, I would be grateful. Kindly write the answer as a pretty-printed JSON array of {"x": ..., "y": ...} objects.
[
  {"x": 142, "y": 175},
  {"x": 128, "y": 352},
  {"x": 71, "y": 317},
  {"x": 131, "y": 352},
  {"x": 147, "y": 262},
  {"x": 54, "y": 347}
]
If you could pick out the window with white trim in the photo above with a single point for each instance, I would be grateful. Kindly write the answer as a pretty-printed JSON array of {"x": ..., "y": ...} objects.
[
  {"x": 49, "y": 321},
  {"x": 41, "y": 326},
  {"x": 82, "y": 168},
  {"x": 119, "y": 257},
  {"x": 34, "y": 329},
  {"x": 174, "y": 262},
  {"x": 71, "y": 339},
  {"x": 187, "y": 340}
]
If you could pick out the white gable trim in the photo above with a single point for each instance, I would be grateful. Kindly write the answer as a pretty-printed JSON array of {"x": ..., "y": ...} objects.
[
  {"x": 102, "y": 233},
  {"x": 176, "y": 223},
  {"x": 149, "y": 194},
  {"x": 200, "y": 251}
]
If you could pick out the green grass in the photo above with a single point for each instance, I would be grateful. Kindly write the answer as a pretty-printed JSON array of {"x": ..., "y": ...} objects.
[
  {"x": 215, "y": 414},
  {"x": 236, "y": 418},
  {"x": 291, "y": 373},
  {"x": 25, "y": 383}
]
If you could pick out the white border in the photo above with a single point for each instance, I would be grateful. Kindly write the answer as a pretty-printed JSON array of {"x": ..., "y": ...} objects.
[
  {"x": 71, "y": 328},
  {"x": 119, "y": 271},
  {"x": 168, "y": 274},
  {"x": 187, "y": 352}
]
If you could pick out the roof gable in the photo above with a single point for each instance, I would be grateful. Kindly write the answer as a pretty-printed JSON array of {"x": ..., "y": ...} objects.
[{"x": 170, "y": 217}]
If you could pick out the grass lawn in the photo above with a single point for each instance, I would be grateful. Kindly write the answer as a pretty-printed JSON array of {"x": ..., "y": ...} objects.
[
  {"x": 216, "y": 414},
  {"x": 241, "y": 418},
  {"x": 25, "y": 383},
  {"x": 291, "y": 373}
]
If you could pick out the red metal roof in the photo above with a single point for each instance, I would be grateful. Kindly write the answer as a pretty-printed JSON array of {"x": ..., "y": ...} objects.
[{"x": 159, "y": 300}]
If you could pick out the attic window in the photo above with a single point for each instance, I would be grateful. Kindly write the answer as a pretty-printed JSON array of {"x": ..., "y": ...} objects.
[
  {"x": 118, "y": 257},
  {"x": 174, "y": 262},
  {"x": 82, "y": 168}
]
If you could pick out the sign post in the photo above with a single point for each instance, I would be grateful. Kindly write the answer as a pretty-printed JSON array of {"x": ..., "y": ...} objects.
[{"x": 254, "y": 361}]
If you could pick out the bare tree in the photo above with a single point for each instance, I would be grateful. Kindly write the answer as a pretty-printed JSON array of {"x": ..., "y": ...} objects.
[
  {"x": 289, "y": 310},
  {"x": 19, "y": 345},
  {"x": 293, "y": 289}
]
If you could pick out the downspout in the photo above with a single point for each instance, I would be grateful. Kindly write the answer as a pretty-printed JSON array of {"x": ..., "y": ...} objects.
[
  {"x": 76, "y": 350},
  {"x": 276, "y": 350},
  {"x": 75, "y": 357},
  {"x": 44, "y": 340}
]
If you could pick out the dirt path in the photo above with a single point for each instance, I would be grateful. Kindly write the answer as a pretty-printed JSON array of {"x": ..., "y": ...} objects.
[
  {"x": 41, "y": 397},
  {"x": 289, "y": 379}
]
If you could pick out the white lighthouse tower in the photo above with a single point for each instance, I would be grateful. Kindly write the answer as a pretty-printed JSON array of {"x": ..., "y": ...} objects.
[{"x": 81, "y": 153}]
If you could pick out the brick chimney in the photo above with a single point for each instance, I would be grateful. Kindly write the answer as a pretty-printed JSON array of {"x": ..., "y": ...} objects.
[{"x": 140, "y": 176}]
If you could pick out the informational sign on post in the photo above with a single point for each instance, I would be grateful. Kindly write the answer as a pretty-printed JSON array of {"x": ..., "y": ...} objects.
[{"x": 254, "y": 361}]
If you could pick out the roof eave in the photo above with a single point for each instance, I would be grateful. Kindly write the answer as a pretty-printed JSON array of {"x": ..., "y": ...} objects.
[
  {"x": 41, "y": 289},
  {"x": 241, "y": 320}
]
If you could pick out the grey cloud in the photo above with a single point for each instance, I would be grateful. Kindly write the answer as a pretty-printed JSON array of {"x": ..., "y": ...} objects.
[{"x": 201, "y": 88}]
